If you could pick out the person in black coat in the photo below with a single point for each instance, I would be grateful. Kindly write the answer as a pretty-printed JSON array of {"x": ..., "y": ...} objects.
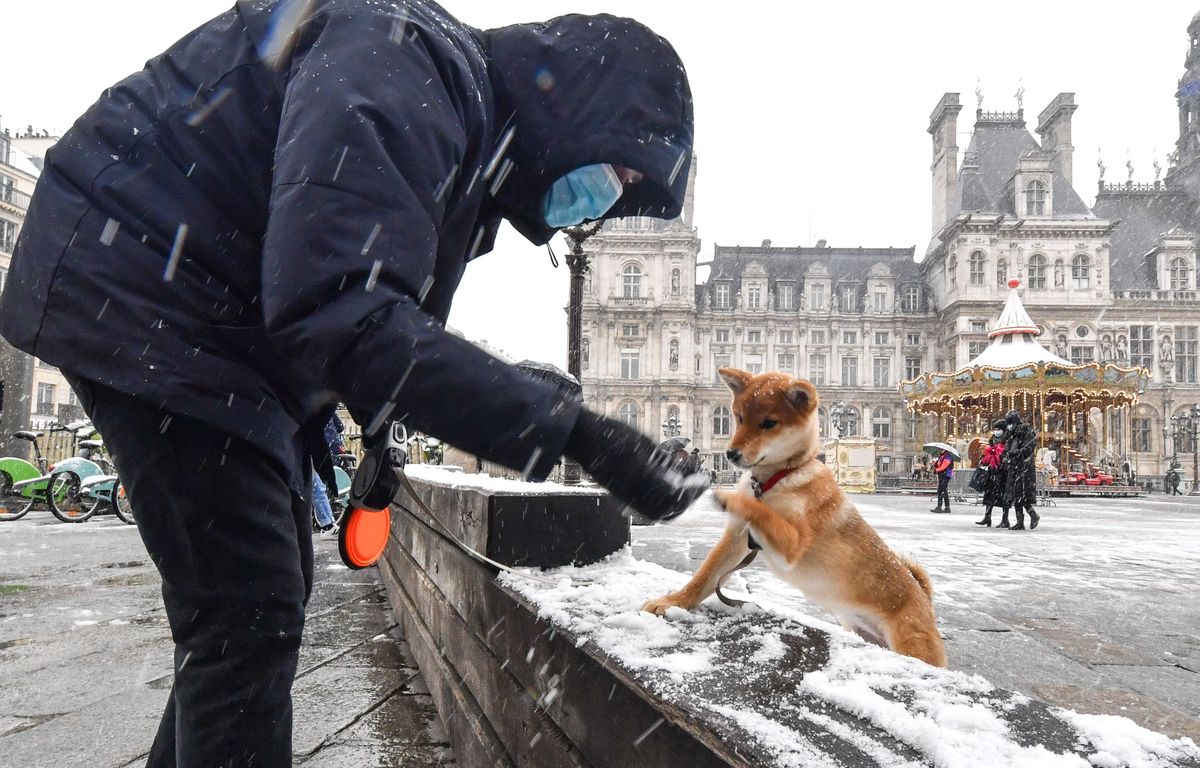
[
  {"x": 274, "y": 216},
  {"x": 1020, "y": 474},
  {"x": 992, "y": 484}
]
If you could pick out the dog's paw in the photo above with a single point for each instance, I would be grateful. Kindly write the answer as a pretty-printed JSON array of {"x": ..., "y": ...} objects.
[
  {"x": 724, "y": 497},
  {"x": 659, "y": 606},
  {"x": 732, "y": 502}
]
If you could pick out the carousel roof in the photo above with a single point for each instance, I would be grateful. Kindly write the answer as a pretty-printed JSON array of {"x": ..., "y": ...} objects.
[
  {"x": 1015, "y": 364},
  {"x": 1013, "y": 343}
]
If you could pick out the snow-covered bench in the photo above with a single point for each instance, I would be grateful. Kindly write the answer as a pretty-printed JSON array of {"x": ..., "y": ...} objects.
[{"x": 568, "y": 671}]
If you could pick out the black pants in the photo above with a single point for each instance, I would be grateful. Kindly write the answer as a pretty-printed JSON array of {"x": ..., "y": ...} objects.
[
  {"x": 943, "y": 492},
  {"x": 234, "y": 547}
]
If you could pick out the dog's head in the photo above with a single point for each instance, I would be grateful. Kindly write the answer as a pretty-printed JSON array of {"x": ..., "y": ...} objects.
[{"x": 776, "y": 418}]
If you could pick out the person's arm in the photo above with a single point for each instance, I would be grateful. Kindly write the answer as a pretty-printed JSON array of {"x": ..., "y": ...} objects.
[{"x": 368, "y": 136}]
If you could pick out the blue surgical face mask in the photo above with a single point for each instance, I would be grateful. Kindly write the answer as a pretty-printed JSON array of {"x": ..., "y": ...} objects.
[{"x": 584, "y": 193}]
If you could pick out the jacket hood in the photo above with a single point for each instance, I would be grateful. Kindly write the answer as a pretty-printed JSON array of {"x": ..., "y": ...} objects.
[{"x": 578, "y": 90}]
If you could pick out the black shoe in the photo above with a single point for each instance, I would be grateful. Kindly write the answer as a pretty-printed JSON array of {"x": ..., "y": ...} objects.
[
  {"x": 987, "y": 520},
  {"x": 1034, "y": 517},
  {"x": 936, "y": 510},
  {"x": 1018, "y": 527}
]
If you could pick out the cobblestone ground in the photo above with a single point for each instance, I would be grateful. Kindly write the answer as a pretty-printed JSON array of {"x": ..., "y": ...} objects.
[
  {"x": 1096, "y": 610},
  {"x": 86, "y": 658}
]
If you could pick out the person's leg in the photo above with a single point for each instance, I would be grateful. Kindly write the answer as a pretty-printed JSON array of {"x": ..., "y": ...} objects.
[
  {"x": 1003, "y": 518},
  {"x": 233, "y": 547},
  {"x": 1019, "y": 511},
  {"x": 320, "y": 503}
]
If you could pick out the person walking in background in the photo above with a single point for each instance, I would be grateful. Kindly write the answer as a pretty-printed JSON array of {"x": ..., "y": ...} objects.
[
  {"x": 944, "y": 469},
  {"x": 993, "y": 482},
  {"x": 1020, "y": 475}
]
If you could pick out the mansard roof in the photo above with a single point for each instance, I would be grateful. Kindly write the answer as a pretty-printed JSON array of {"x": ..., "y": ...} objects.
[
  {"x": 787, "y": 263},
  {"x": 1146, "y": 212},
  {"x": 985, "y": 178}
]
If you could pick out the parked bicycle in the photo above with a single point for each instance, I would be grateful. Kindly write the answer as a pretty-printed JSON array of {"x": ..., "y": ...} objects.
[{"x": 25, "y": 484}]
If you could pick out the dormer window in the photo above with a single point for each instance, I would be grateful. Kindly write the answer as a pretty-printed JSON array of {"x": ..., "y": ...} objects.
[
  {"x": 721, "y": 296},
  {"x": 1081, "y": 272},
  {"x": 1035, "y": 198},
  {"x": 911, "y": 298},
  {"x": 753, "y": 296},
  {"x": 1181, "y": 274}
]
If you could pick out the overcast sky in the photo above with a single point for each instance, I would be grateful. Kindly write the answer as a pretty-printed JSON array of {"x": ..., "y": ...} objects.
[{"x": 810, "y": 117}]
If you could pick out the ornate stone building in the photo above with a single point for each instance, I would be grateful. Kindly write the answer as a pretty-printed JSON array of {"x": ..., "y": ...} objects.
[{"x": 1112, "y": 281}]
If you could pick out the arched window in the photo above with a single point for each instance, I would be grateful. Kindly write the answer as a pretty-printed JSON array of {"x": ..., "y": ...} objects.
[
  {"x": 823, "y": 422},
  {"x": 1081, "y": 272},
  {"x": 952, "y": 271},
  {"x": 1181, "y": 274},
  {"x": 850, "y": 419},
  {"x": 1142, "y": 430},
  {"x": 631, "y": 281},
  {"x": 720, "y": 421},
  {"x": 881, "y": 423},
  {"x": 1037, "y": 272},
  {"x": 1001, "y": 273},
  {"x": 978, "y": 266},
  {"x": 675, "y": 282},
  {"x": 628, "y": 413},
  {"x": 1035, "y": 198}
]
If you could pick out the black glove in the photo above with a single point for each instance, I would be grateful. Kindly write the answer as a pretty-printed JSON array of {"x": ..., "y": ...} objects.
[{"x": 631, "y": 467}]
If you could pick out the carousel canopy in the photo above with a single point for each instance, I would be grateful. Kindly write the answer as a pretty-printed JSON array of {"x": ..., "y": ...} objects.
[{"x": 1016, "y": 371}]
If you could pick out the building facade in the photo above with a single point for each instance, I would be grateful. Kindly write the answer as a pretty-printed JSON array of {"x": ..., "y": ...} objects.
[
  {"x": 34, "y": 393},
  {"x": 1113, "y": 281}
]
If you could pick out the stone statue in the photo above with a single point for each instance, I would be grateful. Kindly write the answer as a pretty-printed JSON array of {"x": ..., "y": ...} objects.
[
  {"x": 674, "y": 353},
  {"x": 1129, "y": 168},
  {"x": 1100, "y": 164},
  {"x": 978, "y": 95},
  {"x": 1020, "y": 94},
  {"x": 585, "y": 353},
  {"x": 737, "y": 300},
  {"x": 1122, "y": 349},
  {"x": 1059, "y": 276},
  {"x": 1166, "y": 351},
  {"x": 675, "y": 281},
  {"x": 704, "y": 299},
  {"x": 1106, "y": 348},
  {"x": 1060, "y": 346},
  {"x": 1157, "y": 169}
]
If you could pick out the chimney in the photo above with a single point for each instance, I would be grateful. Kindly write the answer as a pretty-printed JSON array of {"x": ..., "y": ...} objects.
[
  {"x": 943, "y": 127},
  {"x": 1054, "y": 126}
]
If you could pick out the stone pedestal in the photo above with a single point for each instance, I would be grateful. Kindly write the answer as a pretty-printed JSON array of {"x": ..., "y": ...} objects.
[{"x": 852, "y": 460}]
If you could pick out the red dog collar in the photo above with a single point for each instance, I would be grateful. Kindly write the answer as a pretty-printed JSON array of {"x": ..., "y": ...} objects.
[{"x": 761, "y": 488}]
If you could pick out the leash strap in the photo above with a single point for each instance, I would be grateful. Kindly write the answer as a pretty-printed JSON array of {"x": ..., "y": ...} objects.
[
  {"x": 441, "y": 530},
  {"x": 732, "y": 602}
]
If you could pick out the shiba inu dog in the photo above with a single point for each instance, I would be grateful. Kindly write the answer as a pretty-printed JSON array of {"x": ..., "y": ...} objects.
[{"x": 788, "y": 504}]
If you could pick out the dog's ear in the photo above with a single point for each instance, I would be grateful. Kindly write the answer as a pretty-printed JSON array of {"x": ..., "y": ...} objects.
[
  {"x": 735, "y": 379},
  {"x": 802, "y": 395}
]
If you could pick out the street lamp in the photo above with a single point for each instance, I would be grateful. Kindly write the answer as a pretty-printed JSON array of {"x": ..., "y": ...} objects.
[
  {"x": 1193, "y": 427},
  {"x": 577, "y": 262},
  {"x": 837, "y": 415}
]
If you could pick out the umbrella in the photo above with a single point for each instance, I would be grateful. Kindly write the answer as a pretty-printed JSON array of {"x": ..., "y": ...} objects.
[
  {"x": 673, "y": 444},
  {"x": 935, "y": 449}
]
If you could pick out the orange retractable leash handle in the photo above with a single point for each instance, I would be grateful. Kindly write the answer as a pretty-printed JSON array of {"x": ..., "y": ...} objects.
[{"x": 367, "y": 522}]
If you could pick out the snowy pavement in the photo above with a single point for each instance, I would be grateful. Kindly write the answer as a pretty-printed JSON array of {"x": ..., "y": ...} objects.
[{"x": 86, "y": 658}]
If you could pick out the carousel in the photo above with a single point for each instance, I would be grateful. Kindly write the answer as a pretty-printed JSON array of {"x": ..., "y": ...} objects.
[{"x": 1077, "y": 409}]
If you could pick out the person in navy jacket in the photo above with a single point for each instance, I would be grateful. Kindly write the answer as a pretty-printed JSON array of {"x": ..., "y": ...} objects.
[{"x": 273, "y": 216}]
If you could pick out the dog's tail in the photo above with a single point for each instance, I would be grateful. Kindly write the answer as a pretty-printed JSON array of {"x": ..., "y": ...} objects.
[{"x": 920, "y": 575}]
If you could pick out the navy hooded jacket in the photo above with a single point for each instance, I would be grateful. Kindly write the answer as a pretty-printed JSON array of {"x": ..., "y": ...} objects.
[{"x": 275, "y": 213}]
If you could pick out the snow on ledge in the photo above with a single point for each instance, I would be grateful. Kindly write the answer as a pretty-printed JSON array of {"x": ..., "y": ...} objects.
[
  {"x": 456, "y": 478},
  {"x": 767, "y": 680}
]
